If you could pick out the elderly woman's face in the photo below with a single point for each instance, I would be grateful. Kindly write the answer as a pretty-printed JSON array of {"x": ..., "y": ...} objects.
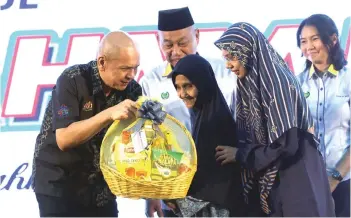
[
  {"x": 186, "y": 90},
  {"x": 234, "y": 64}
]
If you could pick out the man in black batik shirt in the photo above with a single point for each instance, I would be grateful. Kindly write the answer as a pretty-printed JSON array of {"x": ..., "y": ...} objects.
[{"x": 87, "y": 98}]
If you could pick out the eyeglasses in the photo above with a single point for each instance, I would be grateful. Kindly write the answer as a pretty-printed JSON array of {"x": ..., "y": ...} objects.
[{"x": 230, "y": 58}]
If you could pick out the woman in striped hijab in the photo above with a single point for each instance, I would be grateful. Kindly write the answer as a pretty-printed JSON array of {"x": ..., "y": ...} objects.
[{"x": 277, "y": 151}]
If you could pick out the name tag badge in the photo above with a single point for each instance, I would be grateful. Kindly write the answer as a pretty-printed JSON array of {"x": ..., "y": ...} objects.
[{"x": 341, "y": 95}]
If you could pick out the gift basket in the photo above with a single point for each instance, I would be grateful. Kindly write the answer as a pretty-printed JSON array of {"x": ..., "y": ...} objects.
[{"x": 153, "y": 156}]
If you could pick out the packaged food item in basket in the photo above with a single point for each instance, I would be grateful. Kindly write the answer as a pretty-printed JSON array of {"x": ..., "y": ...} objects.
[
  {"x": 168, "y": 164},
  {"x": 158, "y": 142},
  {"x": 165, "y": 164},
  {"x": 185, "y": 163},
  {"x": 112, "y": 151},
  {"x": 168, "y": 159},
  {"x": 131, "y": 163},
  {"x": 150, "y": 133},
  {"x": 170, "y": 142}
]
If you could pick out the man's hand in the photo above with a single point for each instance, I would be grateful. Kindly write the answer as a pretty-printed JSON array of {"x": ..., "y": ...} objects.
[
  {"x": 124, "y": 110},
  {"x": 153, "y": 206},
  {"x": 225, "y": 154},
  {"x": 333, "y": 183}
]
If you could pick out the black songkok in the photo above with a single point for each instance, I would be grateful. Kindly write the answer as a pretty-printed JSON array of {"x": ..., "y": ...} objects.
[{"x": 174, "y": 19}]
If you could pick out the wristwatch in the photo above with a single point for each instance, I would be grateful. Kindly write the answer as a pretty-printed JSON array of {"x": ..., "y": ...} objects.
[{"x": 335, "y": 174}]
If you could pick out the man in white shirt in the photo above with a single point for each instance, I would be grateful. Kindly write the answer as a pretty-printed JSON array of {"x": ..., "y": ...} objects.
[{"x": 178, "y": 37}]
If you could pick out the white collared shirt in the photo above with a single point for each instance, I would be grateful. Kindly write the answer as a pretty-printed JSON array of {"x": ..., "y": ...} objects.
[{"x": 328, "y": 97}]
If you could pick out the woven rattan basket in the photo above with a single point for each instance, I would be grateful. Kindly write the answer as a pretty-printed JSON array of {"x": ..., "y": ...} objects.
[{"x": 124, "y": 186}]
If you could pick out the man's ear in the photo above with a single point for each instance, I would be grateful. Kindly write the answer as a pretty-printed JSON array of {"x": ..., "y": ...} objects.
[
  {"x": 101, "y": 62},
  {"x": 158, "y": 37},
  {"x": 197, "y": 35}
]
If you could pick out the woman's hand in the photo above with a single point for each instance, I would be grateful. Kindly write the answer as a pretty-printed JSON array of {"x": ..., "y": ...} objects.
[
  {"x": 225, "y": 154},
  {"x": 333, "y": 183}
]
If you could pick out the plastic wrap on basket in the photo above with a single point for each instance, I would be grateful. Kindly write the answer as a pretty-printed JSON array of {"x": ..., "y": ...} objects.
[{"x": 153, "y": 156}]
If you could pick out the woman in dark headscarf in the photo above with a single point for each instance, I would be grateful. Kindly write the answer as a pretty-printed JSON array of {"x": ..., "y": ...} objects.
[
  {"x": 216, "y": 188},
  {"x": 276, "y": 148}
]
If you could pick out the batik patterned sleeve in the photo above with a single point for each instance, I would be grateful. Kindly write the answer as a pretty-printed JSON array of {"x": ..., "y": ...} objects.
[{"x": 65, "y": 102}]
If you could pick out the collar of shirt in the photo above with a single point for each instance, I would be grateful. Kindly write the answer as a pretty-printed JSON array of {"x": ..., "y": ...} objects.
[
  {"x": 95, "y": 76},
  {"x": 168, "y": 70},
  {"x": 330, "y": 70}
]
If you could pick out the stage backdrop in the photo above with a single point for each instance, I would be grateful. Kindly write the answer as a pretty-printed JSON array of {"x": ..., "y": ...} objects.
[{"x": 40, "y": 38}]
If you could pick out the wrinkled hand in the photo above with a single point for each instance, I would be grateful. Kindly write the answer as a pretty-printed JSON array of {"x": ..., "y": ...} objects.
[
  {"x": 124, "y": 110},
  {"x": 333, "y": 183},
  {"x": 225, "y": 154},
  {"x": 153, "y": 206}
]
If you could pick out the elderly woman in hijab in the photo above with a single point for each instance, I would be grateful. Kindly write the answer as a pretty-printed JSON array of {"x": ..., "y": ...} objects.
[
  {"x": 216, "y": 189},
  {"x": 275, "y": 146}
]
